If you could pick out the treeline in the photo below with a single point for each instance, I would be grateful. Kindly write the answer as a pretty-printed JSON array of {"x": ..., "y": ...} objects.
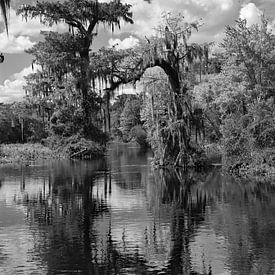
[
  {"x": 19, "y": 125},
  {"x": 227, "y": 109}
]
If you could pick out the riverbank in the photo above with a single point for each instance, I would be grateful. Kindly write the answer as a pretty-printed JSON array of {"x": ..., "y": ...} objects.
[
  {"x": 14, "y": 153},
  {"x": 18, "y": 153}
]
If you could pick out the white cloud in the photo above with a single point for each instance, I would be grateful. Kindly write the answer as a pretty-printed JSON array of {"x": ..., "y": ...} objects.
[
  {"x": 223, "y": 5},
  {"x": 21, "y": 31},
  {"x": 13, "y": 44},
  {"x": 124, "y": 44},
  {"x": 251, "y": 13},
  {"x": 147, "y": 16},
  {"x": 12, "y": 90}
]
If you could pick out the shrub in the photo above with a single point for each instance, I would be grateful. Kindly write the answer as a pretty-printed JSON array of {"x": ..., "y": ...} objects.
[
  {"x": 237, "y": 141},
  {"x": 70, "y": 145}
]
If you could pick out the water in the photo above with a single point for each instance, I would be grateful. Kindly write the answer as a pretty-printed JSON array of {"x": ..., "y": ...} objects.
[{"x": 120, "y": 216}]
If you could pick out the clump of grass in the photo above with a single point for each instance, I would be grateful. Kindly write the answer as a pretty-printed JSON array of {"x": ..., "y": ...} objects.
[{"x": 24, "y": 152}]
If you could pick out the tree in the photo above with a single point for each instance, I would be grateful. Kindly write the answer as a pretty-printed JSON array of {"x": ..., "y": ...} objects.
[
  {"x": 169, "y": 50},
  {"x": 111, "y": 68},
  {"x": 130, "y": 116},
  {"x": 83, "y": 18},
  {"x": 247, "y": 104},
  {"x": 252, "y": 50},
  {"x": 9, "y": 126}
]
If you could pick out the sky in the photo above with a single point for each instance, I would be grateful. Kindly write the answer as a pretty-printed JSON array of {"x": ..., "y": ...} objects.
[{"x": 215, "y": 15}]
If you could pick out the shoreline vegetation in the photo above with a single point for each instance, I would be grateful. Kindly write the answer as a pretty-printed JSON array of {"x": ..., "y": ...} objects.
[
  {"x": 29, "y": 152},
  {"x": 194, "y": 106},
  {"x": 21, "y": 153},
  {"x": 32, "y": 152}
]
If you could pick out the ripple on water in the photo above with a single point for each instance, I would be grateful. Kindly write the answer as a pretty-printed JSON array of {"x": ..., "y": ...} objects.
[{"x": 120, "y": 216}]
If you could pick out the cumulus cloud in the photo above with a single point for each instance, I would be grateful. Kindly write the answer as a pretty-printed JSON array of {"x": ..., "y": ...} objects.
[
  {"x": 148, "y": 15},
  {"x": 124, "y": 44},
  {"x": 12, "y": 90},
  {"x": 251, "y": 13},
  {"x": 14, "y": 44},
  {"x": 22, "y": 33},
  {"x": 223, "y": 5}
]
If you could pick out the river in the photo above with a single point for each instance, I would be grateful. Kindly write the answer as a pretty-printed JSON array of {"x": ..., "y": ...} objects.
[{"x": 119, "y": 215}]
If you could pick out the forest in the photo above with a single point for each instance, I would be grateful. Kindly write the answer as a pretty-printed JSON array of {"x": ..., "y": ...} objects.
[{"x": 193, "y": 106}]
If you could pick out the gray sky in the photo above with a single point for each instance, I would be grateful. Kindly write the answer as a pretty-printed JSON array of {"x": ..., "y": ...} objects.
[{"x": 215, "y": 14}]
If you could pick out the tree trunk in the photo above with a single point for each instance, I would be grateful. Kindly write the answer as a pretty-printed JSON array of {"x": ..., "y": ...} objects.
[
  {"x": 108, "y": 119},
  {"x": 85, "y": 86}
]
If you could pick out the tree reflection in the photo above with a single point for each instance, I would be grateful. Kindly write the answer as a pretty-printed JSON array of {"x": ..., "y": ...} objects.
[
  {"x": 119, "y": 216},
  {"x": 241, "y": 212},
  {"x": 62, "y": 216},
  {"x": 175, "y": 188}
]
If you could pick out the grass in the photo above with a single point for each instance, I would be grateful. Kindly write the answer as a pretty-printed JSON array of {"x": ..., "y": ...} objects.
[
  {"x": 10, "y": 153},
  {"x": 14, "y": 153}
]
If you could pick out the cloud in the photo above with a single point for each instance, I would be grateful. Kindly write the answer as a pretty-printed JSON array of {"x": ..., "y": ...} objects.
[
  {"x": 251, "y": 13},
  {"x": 124, "y": 44},
  {"x": 214, "y": 13},
  {"x": 12, "y": 90},
  {"x": 13, "y": 44},
  {"x": 22, "y": 33}
]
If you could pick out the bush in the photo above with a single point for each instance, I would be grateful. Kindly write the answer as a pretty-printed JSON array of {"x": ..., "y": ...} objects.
[
  {"x": 249, "y": 141},
  {"x": 76, "y": 143},
  {"x": 237, "y": 141}
]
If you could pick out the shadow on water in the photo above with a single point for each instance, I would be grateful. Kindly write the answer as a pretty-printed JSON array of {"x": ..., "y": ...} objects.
[
  {"x": 240, "y": 213},
  {"x": 120, "y": 216}
]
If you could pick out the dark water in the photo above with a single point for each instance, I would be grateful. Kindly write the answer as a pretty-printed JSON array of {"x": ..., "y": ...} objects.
[{"x": 120, "y": 216}]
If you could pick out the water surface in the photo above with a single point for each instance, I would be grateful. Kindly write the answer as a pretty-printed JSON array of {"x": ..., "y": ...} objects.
[{"x": 118, "y": 215}]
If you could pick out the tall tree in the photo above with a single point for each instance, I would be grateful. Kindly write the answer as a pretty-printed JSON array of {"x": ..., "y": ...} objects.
[
  {"x": 83, "y": 18},
  {"x": 169, "y": 49},
  {"x": 251, "y": 49}
]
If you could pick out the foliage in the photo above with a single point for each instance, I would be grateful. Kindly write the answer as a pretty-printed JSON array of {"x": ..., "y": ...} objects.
[
  {"x": 172, "y": 134},
  {"x": 125, "y": 113},
  {"x": 237, "y": 139},
  {"x": 71, "y": 91},
  {"x": 130, "y": 116},
  {"x": 253, "y": 51},
  {"x": 116, "y": 110},
  {"x": 140, "y": 136},
  {"x": 67, "y": 146},
  {"x": 263, "y": 124},
  {"x": 63, "y": 54},
  {"x": 219, "y": 97},
  {"x": 8, "y": 133},
  {"x": 25, "y": 152},
  {"x": 18, "y": 125},
  {"x": 249, "y": 125}
]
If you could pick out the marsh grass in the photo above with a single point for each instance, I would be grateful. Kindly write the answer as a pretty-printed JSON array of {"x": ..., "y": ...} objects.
[{"x": 25, "y": 152}]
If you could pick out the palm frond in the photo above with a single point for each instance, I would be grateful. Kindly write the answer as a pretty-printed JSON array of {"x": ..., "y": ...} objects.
[{"x": 5, "y": 5}]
